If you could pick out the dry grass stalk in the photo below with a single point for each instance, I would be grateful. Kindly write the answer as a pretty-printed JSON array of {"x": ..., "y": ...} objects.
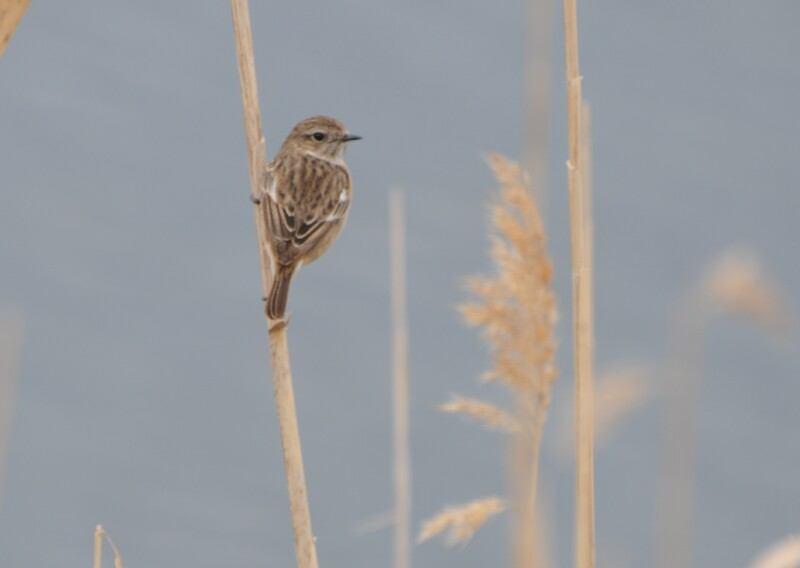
[
  {"x": 402, "y": 454},
  {"x": 305, "y": 547},
  {"x": 114, "y": 549},
  {"x": 461, "y": 522},
  {"x": 97, "y": 561},
  {"x": 783, "y": 554},
  {"x": 516, "y": 310},
  {"x": 11, "y": 338},
  {"x": 587, "y": 182},
  {"x": 11, "y": 12},
  {"x": 488, "y": 414},
  {"x": 100, "y": 534},
  {"x": 734, "y": 283},
  {"x": 582, "y": 309}
]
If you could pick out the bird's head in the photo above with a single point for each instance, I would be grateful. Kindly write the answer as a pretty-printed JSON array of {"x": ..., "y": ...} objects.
[{"x": 320, "y": 135}]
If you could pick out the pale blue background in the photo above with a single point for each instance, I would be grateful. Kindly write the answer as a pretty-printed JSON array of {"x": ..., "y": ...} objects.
[{"x": 126, "y": 239}]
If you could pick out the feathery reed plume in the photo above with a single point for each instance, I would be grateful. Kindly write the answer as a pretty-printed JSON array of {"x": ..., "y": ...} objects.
[
  {"x": 516, "y": 310},
  {"x": 732, "y": 284},
  {"x": 402, "y": 459},
  {"x": 461, "y": 522},
  {"x": 783, "y": 554},
  {"x": 488, "y": 414},
  {"x": 736, "y": 283},
  {"x": 305, "y": 547},
  {"x": 582, "y": 309},
  {"x": 11, "y": 337},
  {"x": 11, "y": 12},
  {"x": 538, "y": 47}
]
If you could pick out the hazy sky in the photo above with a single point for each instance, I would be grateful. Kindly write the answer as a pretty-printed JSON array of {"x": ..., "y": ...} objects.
[{"x": 126, "y": 239}]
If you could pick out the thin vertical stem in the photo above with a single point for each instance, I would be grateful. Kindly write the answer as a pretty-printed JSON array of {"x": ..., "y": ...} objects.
[
  {"x": 114, "y": 549},
  {"x": 582, "y": 308},
  {"x": 305, "y": 547},
  {"x": 256, "y": 145},
  {"x": 526, "y": 448},
  {"x": 587, "y": 181},
  {"x": 402, "y": 459},
  {"x": 98, "y": 547}
]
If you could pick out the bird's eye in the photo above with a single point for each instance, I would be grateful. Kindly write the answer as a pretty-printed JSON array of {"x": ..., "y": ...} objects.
[{"x": 318, "y": 136}]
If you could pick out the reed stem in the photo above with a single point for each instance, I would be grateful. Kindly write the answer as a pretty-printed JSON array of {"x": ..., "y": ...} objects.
[
  {"x": 582, "y": 309},
  {"x": 98, "y": 547},
  {"x": 526, "y": 448},
  {"x": 402, "y": 459},
  {"x": 305, "y": 547}
]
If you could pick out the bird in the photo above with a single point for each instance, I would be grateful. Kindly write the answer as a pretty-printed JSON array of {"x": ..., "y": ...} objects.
[{"x": 304, "y": 197}]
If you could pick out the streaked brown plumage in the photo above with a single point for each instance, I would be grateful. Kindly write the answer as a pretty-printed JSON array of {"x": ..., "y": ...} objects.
[{"x": 304, "y": 199}]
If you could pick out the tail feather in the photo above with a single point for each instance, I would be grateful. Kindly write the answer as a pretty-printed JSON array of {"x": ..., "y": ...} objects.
[{"x": 279, "y": 293}]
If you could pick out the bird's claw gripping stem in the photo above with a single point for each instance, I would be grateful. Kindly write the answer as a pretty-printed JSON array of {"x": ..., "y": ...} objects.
[{"x": 275, "y": 325}]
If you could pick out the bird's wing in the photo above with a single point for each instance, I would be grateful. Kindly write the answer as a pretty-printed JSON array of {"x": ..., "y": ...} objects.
[{"x": 292, "y": 238}]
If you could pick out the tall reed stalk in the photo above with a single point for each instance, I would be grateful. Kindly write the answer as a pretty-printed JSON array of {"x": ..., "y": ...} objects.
[
  {"x": 402, "y": 454},
  {"x": 735, "y": 283},
  {"x": 305, "y": 547},
  {"x": 100, "y": 535},
  {"x": 97, "y": 560},
  {"x": 587, "y": 181},
  {"x": 582, "y": 308}
]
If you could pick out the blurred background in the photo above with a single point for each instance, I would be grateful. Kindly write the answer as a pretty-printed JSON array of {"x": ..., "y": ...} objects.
[{"x": 143, "y": 398}]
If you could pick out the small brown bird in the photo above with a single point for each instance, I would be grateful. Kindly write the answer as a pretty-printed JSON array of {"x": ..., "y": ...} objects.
[{"x": 304, "y": 198}]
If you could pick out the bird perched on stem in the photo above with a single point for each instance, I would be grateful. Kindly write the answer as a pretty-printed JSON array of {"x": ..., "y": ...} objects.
[{"x": 304, "y": 198}]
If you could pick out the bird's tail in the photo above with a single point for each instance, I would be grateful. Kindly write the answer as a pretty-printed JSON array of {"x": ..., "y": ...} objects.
[{"x": 279, "y": 293}]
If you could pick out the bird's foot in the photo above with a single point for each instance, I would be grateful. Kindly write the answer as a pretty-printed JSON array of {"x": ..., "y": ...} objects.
[
  {"x": 255, "y": 200},
  {"x": 278, "y": 324}
]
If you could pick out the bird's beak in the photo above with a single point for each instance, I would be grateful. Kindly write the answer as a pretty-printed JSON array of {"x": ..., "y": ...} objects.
[{"x": 351, "y": 137}]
